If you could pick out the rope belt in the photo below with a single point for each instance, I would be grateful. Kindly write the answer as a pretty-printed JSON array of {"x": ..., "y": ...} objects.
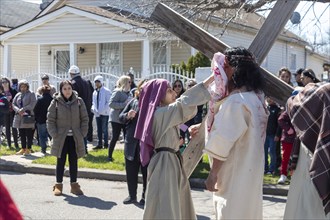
[{"x": 171, "y": 150}]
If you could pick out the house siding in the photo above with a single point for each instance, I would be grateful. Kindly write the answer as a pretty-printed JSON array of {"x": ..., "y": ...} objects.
[
  {"x": 180, "y": 51},
  {"x": 132, "y": 56},
  {"x": 278, "y": 56},
  {"x": 316, "y": 64},
  {"x": 24, "y": 59},
  {"x": 65, "y": 29},
  {"x": 88, "y": 59}
]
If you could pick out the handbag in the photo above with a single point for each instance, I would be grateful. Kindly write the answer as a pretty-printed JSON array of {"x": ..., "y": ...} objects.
[{"x": 29, "y": 119}]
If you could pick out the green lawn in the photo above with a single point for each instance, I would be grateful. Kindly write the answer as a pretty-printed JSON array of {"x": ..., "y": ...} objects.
[
  {"x": 98, "y": 160},
  {"x": 94, "y": 159}
]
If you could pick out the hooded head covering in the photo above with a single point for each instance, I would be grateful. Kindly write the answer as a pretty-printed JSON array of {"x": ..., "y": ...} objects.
[
  {"x": 98, "y": 78},
  {"x": 151, "y": 95},
  {"x": 23, "y": 82}
]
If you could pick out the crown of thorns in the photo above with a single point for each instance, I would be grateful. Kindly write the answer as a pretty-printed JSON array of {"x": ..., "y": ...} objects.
[{"x": 243, "y": 57}]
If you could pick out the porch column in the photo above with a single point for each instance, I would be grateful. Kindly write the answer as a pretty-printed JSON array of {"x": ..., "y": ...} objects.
[
  {"x": 193, "y": 51},
  {"x": 39, "y": 64},
  {"x": 7, "y": 60},
  {"x": 145, "y": 58},
  {"x": 73, "y": 54}
]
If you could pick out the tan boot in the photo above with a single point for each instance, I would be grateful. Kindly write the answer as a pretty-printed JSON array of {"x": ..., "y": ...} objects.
[
  {"x": 57, "y": 189},
  {"x": 75, "y": 189},
  {"x": 21, "y": 151}
]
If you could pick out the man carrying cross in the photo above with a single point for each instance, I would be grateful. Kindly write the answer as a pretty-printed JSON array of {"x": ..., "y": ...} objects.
[{"x": 236, "y": 139}]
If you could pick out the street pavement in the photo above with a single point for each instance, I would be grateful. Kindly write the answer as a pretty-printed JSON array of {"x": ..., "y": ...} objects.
[{"x": 102, "y": 200}]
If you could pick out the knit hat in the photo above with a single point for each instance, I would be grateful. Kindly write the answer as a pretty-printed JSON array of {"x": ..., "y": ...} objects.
[
  {"x": 74, "y": 70},
  {"x": 98, "y": 78}
]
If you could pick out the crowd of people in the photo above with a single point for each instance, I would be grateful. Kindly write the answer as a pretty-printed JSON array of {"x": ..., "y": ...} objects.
[{"x": 158, "y": 119}]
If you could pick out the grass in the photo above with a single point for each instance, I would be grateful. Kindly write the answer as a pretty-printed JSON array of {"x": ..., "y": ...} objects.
[
  {"x": 98, "y": 160},
  {"x": 94, "y": 159},
  {"x": 5, "y": 151}
]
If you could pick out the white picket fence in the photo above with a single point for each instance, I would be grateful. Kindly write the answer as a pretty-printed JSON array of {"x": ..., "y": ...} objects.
[{"x": 109, "y": 78}]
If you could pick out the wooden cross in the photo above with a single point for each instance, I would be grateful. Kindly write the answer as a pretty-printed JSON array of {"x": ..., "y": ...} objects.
[{"x": 208, "y": 45}]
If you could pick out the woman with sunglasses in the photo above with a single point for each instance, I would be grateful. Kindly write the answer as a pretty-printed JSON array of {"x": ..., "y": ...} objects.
[{"x": 178, "y": 88}]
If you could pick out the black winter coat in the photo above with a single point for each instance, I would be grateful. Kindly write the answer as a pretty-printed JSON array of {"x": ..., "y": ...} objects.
[
  {"x": 85, "y": 91},
  {"x": 41, "y": 108},
  {"x": 131, "y": 143}
]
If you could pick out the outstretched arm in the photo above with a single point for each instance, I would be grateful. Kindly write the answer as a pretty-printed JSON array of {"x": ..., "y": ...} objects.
[{"x": 211, "y": 180}]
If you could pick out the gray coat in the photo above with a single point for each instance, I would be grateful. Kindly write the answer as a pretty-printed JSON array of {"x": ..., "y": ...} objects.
[
  {"x": 118, "y": 101},
  {"x": 29, "y": 100},
  {"x": 63, "y": 116}
]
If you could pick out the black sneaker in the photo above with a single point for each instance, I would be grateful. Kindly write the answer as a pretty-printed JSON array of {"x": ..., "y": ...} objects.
[
  {"x": 97, "y": 147},
  {"x": 129, "y": 200},
  {"x": 142, "y": 202},
  {"x": 110, "y": 159}
]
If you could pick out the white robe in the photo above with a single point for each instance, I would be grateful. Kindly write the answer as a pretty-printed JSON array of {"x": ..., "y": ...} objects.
[
  {"x": 303, "y": 200},
  {"x": 237, "y": 138}
]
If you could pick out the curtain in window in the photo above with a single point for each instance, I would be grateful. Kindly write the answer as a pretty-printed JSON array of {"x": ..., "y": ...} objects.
[
  {"x": 159, "y": 53},
  {"x": 110, "y": 57}
]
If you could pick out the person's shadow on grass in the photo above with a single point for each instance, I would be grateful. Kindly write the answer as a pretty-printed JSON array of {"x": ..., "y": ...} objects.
[{"x": 90, "y": 202}]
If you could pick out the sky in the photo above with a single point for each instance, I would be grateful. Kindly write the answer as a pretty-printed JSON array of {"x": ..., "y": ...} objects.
[{"x": 315, "y": 23}]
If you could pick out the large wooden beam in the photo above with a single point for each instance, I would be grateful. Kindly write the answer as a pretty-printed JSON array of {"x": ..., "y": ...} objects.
[
  {"x": 271, "y": 28},
  {"x": 208, "y": 45}
]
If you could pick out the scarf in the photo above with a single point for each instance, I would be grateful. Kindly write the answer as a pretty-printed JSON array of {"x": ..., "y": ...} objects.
[
  {"x": 152, "y": 93},
  {"x": 309, "y": 111},
  {"x": 218, "y": 88}
]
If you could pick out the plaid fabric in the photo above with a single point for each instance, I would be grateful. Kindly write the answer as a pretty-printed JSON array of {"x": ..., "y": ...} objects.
[{"x": 310, "y": 114}]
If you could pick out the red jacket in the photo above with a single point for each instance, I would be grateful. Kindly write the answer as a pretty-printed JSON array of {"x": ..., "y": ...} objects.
[
  {"x": 288, "y": 132},
  {"x": 8, "y": 209}
]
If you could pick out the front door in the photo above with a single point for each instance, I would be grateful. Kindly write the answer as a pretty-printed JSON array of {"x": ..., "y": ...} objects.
[{"x": 62, "y": 62}]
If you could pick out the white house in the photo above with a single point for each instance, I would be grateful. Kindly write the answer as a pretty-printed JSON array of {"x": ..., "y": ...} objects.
[{"x": 102, "y": 39}]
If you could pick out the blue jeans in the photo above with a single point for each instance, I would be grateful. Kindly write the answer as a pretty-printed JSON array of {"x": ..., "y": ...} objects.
[
  {"x": 43, "y": 135},
  {"x": 102, "y": 129},
  {"x": 270, "y": 144}
]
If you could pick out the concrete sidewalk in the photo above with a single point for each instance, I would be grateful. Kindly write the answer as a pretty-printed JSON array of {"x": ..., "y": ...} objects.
[{"x": 23, "y": 164}]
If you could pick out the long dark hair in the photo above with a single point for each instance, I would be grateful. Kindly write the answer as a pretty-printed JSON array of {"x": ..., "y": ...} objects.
[
  {"x": 182, "y": 88},
  {"x": 247, "y": 71},
  {"x": 65, "y": 82},
  {"x": 6, "y": 79}
]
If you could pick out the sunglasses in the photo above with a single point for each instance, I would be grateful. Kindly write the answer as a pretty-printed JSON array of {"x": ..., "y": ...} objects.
[{"x": 177, "y": 86}]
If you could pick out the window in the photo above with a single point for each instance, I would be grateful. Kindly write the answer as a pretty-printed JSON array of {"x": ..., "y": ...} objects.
[
  {"x": 293, "y": 62},
  {"x": 159, "y": 53},
  {"x": 110, "y": 57}
]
